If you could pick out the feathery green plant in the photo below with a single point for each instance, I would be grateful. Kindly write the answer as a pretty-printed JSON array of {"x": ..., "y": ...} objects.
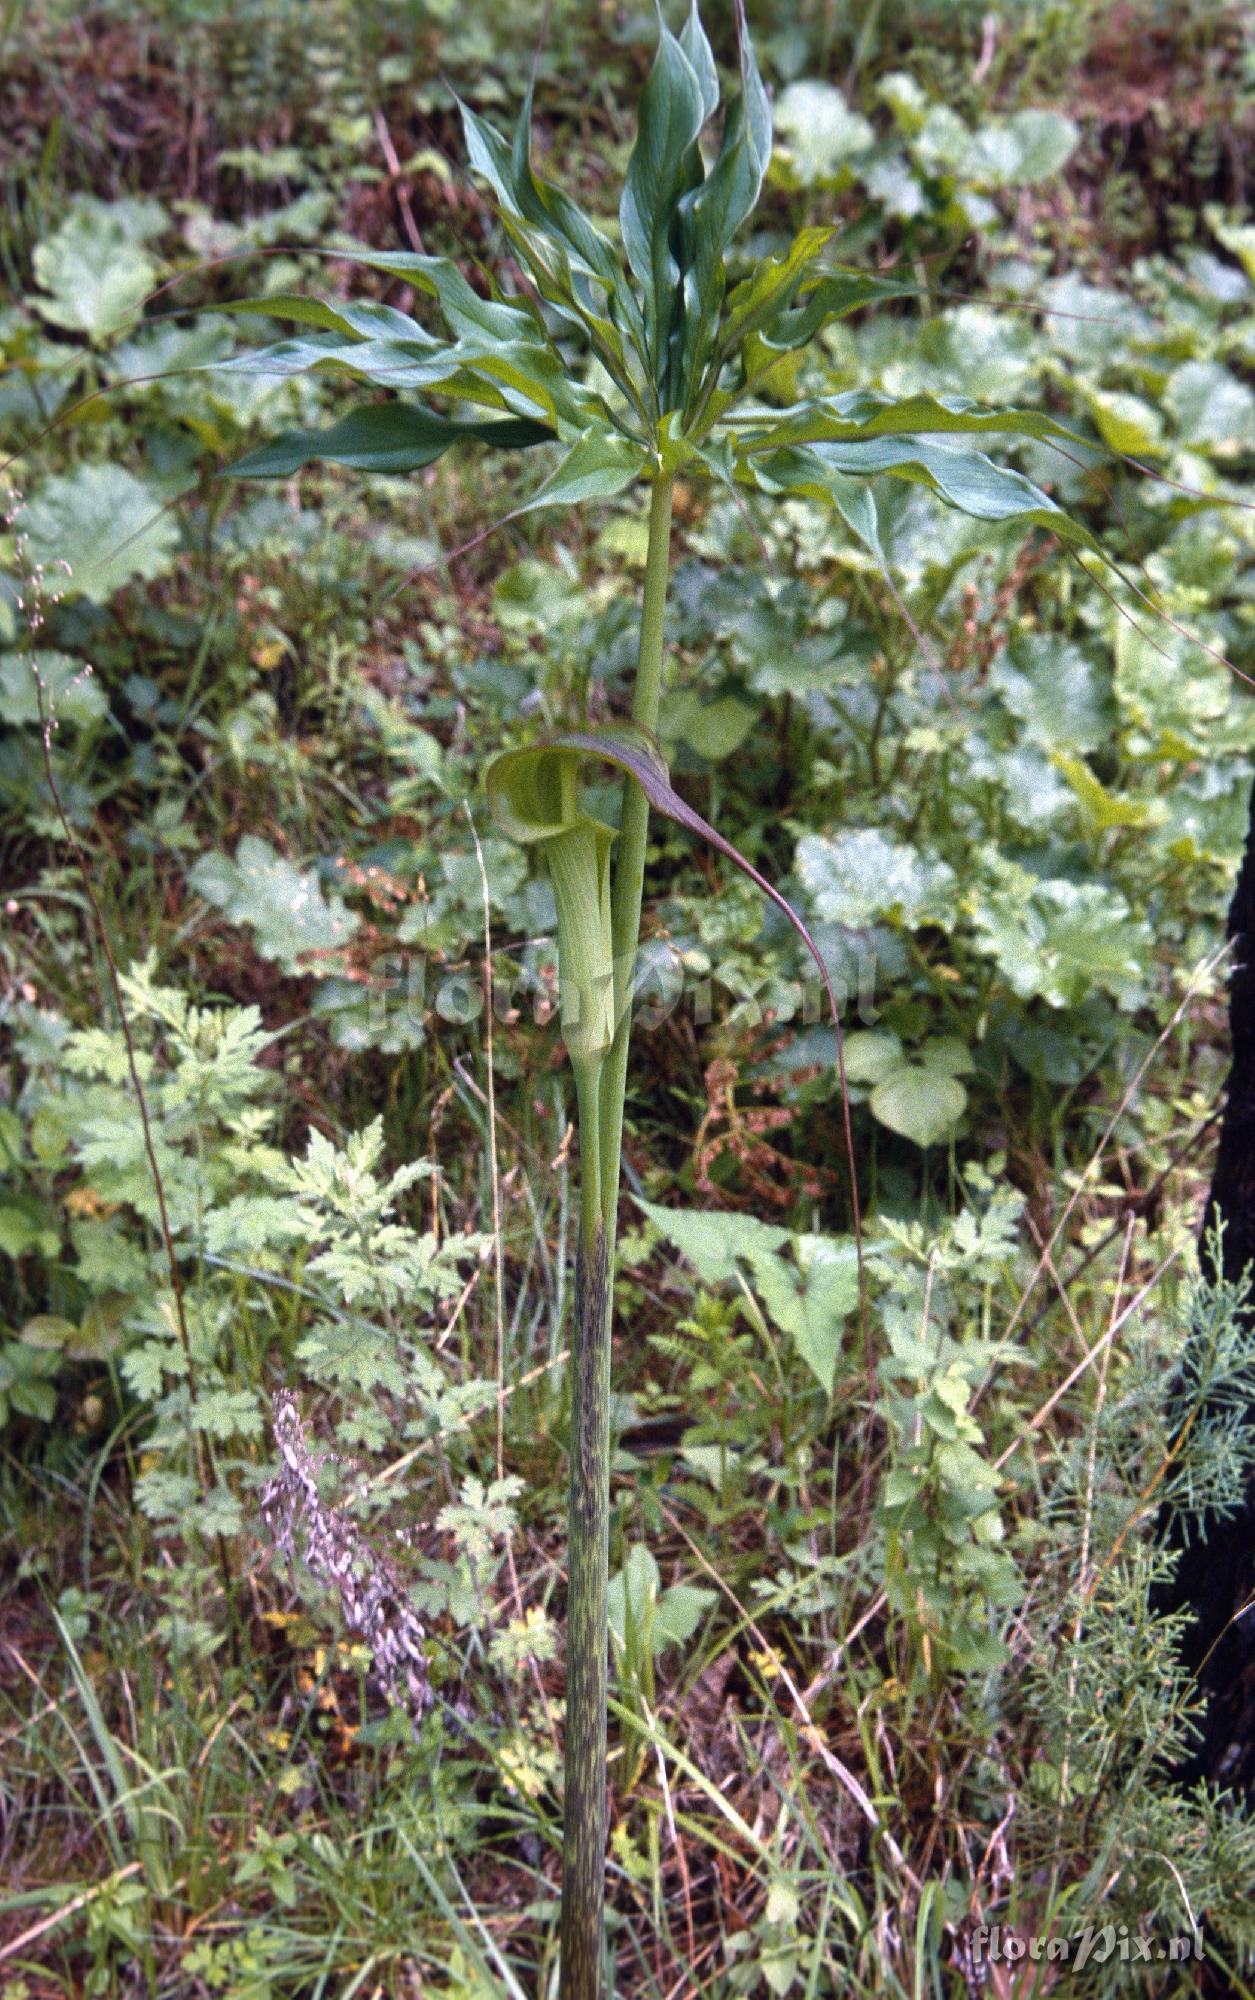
[{"x": 640, "y": 361}]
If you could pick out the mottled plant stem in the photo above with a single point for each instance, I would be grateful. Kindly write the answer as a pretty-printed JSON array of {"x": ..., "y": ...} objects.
[
  {"x": 601, "y": 1086},
  {"x": 584, "y": 1794}
]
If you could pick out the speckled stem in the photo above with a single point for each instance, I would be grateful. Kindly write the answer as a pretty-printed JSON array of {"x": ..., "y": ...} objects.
[{"x": 584, "y": 1797}]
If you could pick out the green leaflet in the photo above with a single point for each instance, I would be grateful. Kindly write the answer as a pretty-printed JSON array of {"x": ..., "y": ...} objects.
[
  {"x": 501, "y": 356},
  {"x": 866, "y": 413},
  {"x": 469, "y": 317},
  {"x": 761, "y": 328},
  {"x": 551, "y": 222},
  {"x": 385, "y": 437},
  {"x": 693, "y": 41},
  {"x": 711, "y": 216},
  {"x": 362, "y": 319},
  {"x": 571, "y": 264},
  {"x": 676, "y": 219},
  {"x": 397, "y": 437},
  {"x": 772, "y": 285},
  {"x": 466, "y": 313},
  {"x": 835, "y": 296},
  {"x": 596, "y": 468},
  {"x": 525, "y": 379},
  {"x": 665, "y": 165},
  {"x": 546, "y": 210},
  {"x": 964, "y": 479}
]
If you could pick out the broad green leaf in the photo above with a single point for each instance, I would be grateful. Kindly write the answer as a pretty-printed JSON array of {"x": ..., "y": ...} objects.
[
  {"x": 981, "y": 356},
  {"x": 906, "y": 100},
  {"x": 892, "y": 182},
  {"x": 285, "y": 906},
  {"x": 828, "y": 1299},
  {"x": 861, "y": 875},
  {"x": 1237, "y": 238},
  {"x": 967, "y": 1473},
  {"x": 384, "y": 437},
  {"x": 1170, "y": 692},
  {"x": 641, "y": 1613},
  {"x": 821, "y": 133},
  {"x": 1212, "y": 409},
  {"x": 1046, "y": 141},
  {"x": 947, "y": 1055},
  {"x": 810, "y": 1297},
  {"x": 1059, "y": 940},
  {"x": 22, "y": 1231},
  {"x": 71, "y": 691},
  {"x": 1094, "y": 323},
  {"x": 712, "y": 1241},
  {"x": 1129, "y": 425},
  {"x": 943, "y": 143},
  {"x": 108, "y": 526},
  {"x": 1059, "y": 693},
  {"x": 872, "y": 1054},
  {"x": 93, "y": 272},
  {"x": 713, "y": 729},
  {"x": 709, "y": 1461},
  {"x": 1103, "y": 809},
  {"x": 1030, "y": 146},
  {"x": 923, "y": 1104},
  {"x": 47, "y": 1331},
  {"x": 679, "y": 1612}
]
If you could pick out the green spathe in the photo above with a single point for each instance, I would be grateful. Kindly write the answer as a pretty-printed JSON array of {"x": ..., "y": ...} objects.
[
  {"x": 579, "y": 868},
  {"x": 535, "y": 798}
]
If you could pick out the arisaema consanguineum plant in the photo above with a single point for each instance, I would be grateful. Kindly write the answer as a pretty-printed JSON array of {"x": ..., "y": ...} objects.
[{"x": 639, "y": 360}]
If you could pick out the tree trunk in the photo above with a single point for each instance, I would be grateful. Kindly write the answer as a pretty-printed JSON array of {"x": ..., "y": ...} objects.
[{"x": 1217, "y": 1576}]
